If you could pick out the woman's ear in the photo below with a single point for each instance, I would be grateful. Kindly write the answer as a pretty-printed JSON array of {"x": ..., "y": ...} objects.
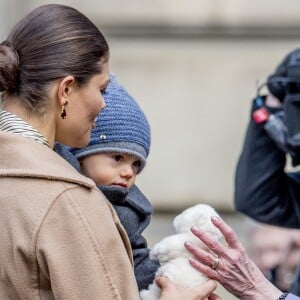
[{"x": 65, "y": 87}]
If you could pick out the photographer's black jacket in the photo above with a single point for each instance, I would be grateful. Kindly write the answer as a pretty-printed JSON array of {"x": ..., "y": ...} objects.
[{"x": 263, "y": 190}]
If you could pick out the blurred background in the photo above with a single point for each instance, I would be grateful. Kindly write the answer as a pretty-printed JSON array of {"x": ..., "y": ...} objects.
[{"x": 193, "y": 66}]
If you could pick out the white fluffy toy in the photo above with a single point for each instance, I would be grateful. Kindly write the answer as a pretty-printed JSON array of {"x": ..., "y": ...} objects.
[{"x": 173, "y": 256}]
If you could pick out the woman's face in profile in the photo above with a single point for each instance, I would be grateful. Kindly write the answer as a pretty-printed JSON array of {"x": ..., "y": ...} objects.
[{"x": 83, "y": 109}]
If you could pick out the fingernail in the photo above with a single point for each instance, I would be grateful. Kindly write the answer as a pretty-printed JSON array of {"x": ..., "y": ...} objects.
[
  {"x": 215, "y": 219},
  {"x": 192, "y": 261},
  {"x": 195, "y": 229},
  {"x": 187, "y": 244}
]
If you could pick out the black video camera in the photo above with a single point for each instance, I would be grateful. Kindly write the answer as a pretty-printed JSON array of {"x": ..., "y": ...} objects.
[{"x": 284, "y": 84}]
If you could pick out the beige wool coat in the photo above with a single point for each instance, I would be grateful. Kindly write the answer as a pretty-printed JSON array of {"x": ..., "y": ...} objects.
[{"x": 59, "y": 236}]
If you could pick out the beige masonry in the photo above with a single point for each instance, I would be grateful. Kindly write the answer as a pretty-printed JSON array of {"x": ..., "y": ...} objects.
[{"x": 196, "y": 92}]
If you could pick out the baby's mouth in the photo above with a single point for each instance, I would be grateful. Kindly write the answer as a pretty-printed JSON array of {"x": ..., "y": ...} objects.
[{"x": 124, "y": 185}]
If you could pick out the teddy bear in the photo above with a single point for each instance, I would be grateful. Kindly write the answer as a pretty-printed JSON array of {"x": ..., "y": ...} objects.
[{"x": 173, "y": 256}]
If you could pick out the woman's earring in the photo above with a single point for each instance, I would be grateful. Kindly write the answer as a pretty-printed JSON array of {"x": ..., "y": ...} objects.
[{"x": 63, "y": 113}]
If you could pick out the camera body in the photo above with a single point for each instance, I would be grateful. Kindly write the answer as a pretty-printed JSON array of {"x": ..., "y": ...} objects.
[{"x": 284, "y": 127}]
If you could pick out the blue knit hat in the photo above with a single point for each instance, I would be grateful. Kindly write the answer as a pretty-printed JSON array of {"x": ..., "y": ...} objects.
[{"x": 120, "y": 127}]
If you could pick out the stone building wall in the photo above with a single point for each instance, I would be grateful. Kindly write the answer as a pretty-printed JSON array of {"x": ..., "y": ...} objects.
[{"x": 192, "y": 66}]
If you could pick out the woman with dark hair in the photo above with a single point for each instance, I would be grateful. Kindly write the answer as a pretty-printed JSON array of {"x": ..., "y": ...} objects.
[{"x": 59, "y": 237}]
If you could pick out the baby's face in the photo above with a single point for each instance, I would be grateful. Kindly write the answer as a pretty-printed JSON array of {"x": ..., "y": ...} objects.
[{"x": 117, "y": 169}]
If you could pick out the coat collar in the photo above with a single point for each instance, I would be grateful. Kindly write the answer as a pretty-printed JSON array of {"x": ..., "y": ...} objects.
[
  {"x": 138, "y": 200},
  {"x": 132, "y": 197},
  {"x": 23, "y": 157}
]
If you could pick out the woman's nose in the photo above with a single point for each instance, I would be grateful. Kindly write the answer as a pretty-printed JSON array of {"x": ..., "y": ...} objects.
[{"x": 103, "y": 104}]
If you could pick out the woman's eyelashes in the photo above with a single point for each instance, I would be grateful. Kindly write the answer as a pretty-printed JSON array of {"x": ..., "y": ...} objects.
[{"x": 103, "y": 88}]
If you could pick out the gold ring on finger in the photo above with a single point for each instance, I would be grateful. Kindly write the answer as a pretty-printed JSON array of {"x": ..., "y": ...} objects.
[{"x": 215, "y": 265}]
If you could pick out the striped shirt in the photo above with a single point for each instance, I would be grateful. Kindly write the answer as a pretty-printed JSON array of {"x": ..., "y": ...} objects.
[{"x": 11, "y": 123}]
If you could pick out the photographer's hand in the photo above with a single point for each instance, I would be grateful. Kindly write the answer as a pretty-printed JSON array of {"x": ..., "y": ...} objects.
[{"x": 272, "y": 101}]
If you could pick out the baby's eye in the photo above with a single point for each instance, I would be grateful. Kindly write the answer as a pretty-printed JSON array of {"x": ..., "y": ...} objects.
[
  {"x": 136, "y": 166},
  {"x": 117, "y": 157}
]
